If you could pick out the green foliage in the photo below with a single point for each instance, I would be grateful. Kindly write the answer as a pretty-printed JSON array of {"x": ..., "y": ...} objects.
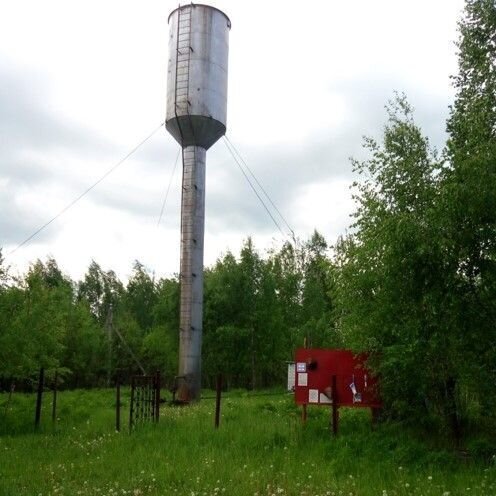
[
  {"x": 470, "y": 202},
  {"x": 160, "y": 351},
  {"x": 416, "y": 279},
  {"x": 84, "y": 347},
  {"x": 390, "y": 270},
  {"x": 32, "y": 321},
  {"x": 256, "y": 311},
  {"x": 317, "y": 295},
  {"x": 241, "y": 298},
  {"x": 101, "y": 290},
  {"x": 414, "y": 283},
  {"x": 472, "y": 123},
  {"x": 141, "y": 296}
]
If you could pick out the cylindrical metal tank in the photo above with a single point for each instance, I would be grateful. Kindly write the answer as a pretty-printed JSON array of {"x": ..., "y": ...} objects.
[
  {"x": 196, "y": 117},
  {"x": 197, "y": 75}
]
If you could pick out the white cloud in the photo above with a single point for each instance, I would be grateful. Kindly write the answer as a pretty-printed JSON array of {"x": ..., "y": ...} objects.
[
  {"x": 85, "y": 81},
  {"x": 325, "y": 206}
]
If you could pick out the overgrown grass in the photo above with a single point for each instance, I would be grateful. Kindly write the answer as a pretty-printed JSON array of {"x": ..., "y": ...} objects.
[{"x": 261, "y": 448}]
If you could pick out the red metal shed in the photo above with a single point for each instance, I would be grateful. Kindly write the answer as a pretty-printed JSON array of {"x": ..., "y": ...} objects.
[{"x": 334, "y": 378}]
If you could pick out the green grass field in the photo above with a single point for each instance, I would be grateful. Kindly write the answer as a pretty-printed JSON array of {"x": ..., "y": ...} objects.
[{"x": 261, "y": 448}]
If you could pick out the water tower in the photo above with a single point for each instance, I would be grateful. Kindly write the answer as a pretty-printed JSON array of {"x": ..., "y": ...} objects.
[{"x": 196, "y": 118}]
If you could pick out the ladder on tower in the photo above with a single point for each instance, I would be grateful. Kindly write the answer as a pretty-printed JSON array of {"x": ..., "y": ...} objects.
[
  {"x": 183, "y": 57},
  {"x": 182, "y": 108}
]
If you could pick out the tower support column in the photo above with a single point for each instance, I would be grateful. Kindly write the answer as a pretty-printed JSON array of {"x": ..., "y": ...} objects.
[{"x": 191, "y": 273}]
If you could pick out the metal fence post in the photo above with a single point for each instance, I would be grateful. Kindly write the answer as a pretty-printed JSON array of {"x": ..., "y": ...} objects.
[
  {"x": 39, "y": 396},
  {"x": 335, "y": 412},
  {"x": 131, "y": 406},
  {"x": 217, "y": 400},
  {"x": 117, "y": 406},
  {"x": 54, "y": 400},
  {"x": 157, "y": 396}
]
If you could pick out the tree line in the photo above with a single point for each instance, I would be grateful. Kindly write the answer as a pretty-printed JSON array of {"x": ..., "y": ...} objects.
[
  {"x": 413, "y": 283},
  {"x": 417, "y": 278},
  {"x": 256, "y": 311}
]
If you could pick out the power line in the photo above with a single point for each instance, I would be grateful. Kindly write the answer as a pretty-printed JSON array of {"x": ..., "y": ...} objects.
[
  {"x": 168, "y": 187},
  {"x": 86, "y": 191},
  {"x": 254, "y": 189},
  {"x": 261, "y": 187}
]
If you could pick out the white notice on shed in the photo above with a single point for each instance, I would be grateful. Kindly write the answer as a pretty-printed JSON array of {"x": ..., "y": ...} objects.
[
  {"x": 303, "y": 379},
  {"x": 291, "y": 376},
  {"x": 313, "y": 395},
  {"x": 301, "y": 367}
]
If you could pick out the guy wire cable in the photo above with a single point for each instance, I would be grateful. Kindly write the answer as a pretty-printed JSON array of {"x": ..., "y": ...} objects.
[
  {"x": 168, "y": 187},
  {"x": 260, "y": 186},
  {"x": 254, "y": 189},
  {"x": 86, "y": 191}
]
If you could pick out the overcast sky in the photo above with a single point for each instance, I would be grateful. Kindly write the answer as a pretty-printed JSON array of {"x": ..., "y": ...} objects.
[{"x": 82, "y": 82}]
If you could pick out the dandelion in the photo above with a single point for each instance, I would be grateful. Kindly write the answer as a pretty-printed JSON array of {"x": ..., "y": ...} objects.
[{"x": 430, "y": 477}]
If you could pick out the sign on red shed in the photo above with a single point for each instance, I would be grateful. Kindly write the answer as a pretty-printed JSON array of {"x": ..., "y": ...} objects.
[{"x": 317, "y": 370}]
